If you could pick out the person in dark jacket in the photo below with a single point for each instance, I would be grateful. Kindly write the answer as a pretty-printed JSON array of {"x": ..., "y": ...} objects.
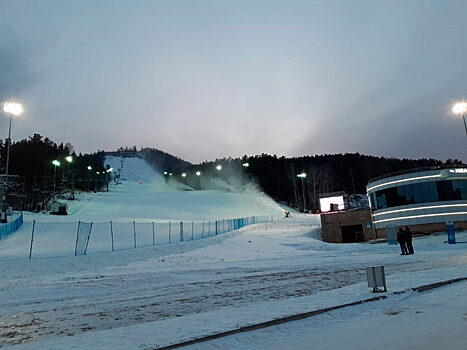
[
  {"x": 408, "y": 239},
  {"x": 401, "y": 241}
]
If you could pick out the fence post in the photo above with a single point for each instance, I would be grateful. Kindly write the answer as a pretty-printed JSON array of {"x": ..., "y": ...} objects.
[
  {"x": 32, "y": 237},
  {"x": 77, "y": 233},
  {"x": 169, "y": 231},
  {"x": 181, "y": 231},
  {"x": 87, "y": 242},
  {"x": 192, "y": 226},
  {"x": 209, "y": 228},
  {"x": 112, "y": 234},
  {"x": 134, "y": 232},
  {"x": 202, "y": 232},
  {"x": 216, "y": 227},
  {"x": 153, "y": 235}
]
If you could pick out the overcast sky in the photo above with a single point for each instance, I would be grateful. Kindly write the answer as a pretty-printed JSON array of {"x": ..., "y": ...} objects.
[{"x": 208, "y": 79}]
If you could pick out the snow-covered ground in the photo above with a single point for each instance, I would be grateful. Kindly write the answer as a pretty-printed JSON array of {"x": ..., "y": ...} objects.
[
  {"x": 147, "y": 202},
  {"x": 153, "y": 199},
  {"x": 413, "y": 321},
  {"x": 150, "y": 297}
]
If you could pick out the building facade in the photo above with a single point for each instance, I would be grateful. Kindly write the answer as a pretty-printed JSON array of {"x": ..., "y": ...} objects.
[
  {"x": 424, "y": 200},
  {"x": 350, "y": 226}
]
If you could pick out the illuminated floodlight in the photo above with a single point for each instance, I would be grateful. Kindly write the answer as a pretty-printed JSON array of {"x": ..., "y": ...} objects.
[
  {"x": 166, "y": 173},
  {"x": 170, "y": 174},
  {"x": 56, "y": 162},
  {"x": 246, "y": 165},
  {"x": 89, "y": 167},
  {"x": 97, "y": 173},
  {"x": 110, "y": 170},
  {"x": 302, "y": 175},
  {"x": 459, "y": 108},
  {"x": 183, "y": 174},
  {"x": 198, "y": 173},
  {"x": 219, "y": 167},
  {"x": 69, "y": 159},
  {"x": 13, "y": 108}
]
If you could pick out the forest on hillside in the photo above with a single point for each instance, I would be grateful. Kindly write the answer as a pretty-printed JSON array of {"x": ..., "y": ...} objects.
[
  {"x": 277, "y": 176},
  {"x": 34, "y": 176}
]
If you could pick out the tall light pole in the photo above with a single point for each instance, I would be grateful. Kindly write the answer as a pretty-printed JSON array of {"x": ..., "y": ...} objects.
[
  {"x": 460, "y": 108},
  {"x": 69, "y": 160},
  {"x": 56, "y": 163},
  {"x": 13, "y": 109},
  {"x": 89, "y": 175},
  {"x": 303, "y": 176}
]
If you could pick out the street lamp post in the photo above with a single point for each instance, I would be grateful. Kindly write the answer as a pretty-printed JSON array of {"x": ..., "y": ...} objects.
[
  {"x": 303, "y": 176},
  {"x": 56, "y": 163},
  {"x": 89, "y": 176},
  {"x": 460, "y": 108},
  {"x": 69, "y": 160},
  {"x": 13, "y": 109}
]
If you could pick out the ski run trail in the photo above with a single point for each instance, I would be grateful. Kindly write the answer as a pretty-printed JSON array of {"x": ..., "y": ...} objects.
[{"x": 154, "y": 296}]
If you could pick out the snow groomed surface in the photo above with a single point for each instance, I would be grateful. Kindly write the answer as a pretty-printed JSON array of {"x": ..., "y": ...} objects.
[{"x": 141, "y": 211}]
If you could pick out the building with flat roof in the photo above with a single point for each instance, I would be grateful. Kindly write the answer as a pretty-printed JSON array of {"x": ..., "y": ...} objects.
[{"x": 423, "y": 199}]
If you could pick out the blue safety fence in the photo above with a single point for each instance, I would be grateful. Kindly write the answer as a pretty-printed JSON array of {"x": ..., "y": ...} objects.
[
  {"x": 11, "y": 227},
  {"x": 39, "y": 239}
]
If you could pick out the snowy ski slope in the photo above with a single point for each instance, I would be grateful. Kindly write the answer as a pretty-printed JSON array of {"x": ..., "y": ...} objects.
[
  {"x": 152, "y": 201},
  {"x": 155, "y": 200}
]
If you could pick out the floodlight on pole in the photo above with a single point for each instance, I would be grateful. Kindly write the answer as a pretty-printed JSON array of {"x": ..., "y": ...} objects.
[
  {"x": 246, "y": 165},
  {"x": 89, "y": 176},
  {"x": 303, "y": 176},
  {"x": 460, "y": 108},
  {"x": 13, "y": 109},
  {"x": 219, "y": 167},
  {"x": 183, "y": 174},
  {"x": 69, "y": 159},
  {"x": 166, "y": 173},
  {"x": 55, "y": 163},
  {"x": 198, "y": 173}
]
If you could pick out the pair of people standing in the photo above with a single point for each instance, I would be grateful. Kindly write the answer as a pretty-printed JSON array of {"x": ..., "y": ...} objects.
[{"x": 404, "y": 238}]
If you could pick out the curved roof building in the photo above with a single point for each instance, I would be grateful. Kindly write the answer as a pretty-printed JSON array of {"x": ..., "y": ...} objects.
[{"x": 423, "y": 199}]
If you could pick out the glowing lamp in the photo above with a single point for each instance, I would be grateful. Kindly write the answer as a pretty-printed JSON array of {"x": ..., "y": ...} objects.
[
  {"x": 219, "y": 167},
  {"x": 198, "y": 173},
  {"x": 13, "y": 108},
  {"x": 460, "y": 108},
  {"x": 56, "y": 162}
]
